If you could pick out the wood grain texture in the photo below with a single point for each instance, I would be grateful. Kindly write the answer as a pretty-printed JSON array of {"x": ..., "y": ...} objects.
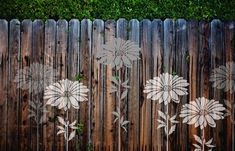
[
  {"x": 145, "y": 74},
  {"x": 26, "y": 53},
  {"x": 134, "y": 92},
  {"x": 3, "y": 82},
  {"x": 49, "y": 132},
  {"x": 97, "y": 86},
  {"x": 13, "y": 100}
]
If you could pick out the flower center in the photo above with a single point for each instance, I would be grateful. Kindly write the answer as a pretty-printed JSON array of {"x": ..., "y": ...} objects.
[
  {"x": 203, "y": 112},
  {"x": 66, "y": 94},
  {"x": 166, "y": 88}
]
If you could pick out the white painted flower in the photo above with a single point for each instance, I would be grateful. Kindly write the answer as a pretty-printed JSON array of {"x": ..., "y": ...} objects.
[
  {"x": 223, "y": 77},
  {"x": 35, "y": 78},
  {"x": 66, "y": 93},
  {"x": 201, "y": 112},
  {"x": 119, "y": 52},
  {"x": 165, "y": 88},
  {"x": 65, "y": 128}
]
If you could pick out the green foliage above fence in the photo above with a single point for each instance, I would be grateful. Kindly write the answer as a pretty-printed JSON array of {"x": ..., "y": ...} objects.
[{"x": 113, "y": 9}]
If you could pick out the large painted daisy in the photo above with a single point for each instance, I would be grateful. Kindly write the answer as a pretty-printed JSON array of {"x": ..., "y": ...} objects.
[
  {"x": 202, "y": 112},
  {"x": 35, "y": 78},
  {"x": 65, "y": 94},
  {"x": 165, "y": 88},
  {"x": 223, "y": 77},
  {"x": 119, "y": 53}
]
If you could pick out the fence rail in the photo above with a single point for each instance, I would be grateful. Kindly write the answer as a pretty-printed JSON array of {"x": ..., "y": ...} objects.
[{"x": 190, "y": 49}]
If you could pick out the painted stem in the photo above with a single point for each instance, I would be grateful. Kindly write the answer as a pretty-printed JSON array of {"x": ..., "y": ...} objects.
[
  {"x": 67, "y": 133},
  {"x": 203, "y": 142},
  {"x": 167, "y": 125},
  {"x": 119, "y": 106}
]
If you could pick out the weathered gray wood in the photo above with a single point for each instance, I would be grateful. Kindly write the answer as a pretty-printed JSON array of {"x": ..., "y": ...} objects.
[
  {"x": 145, "y": 74},
  {"x": 13, "y": 100},
  {"x": 26, "y": 52},
  {"x": 109, "y": 99},
  {"x": 97, "y": 86},
  {"x": 49, "y": 129},
  {"x": 37, "y": 57},
  {"x": 73, "y": 66},
  {"x": 61, "y": 66},
  {"x": 134, "y": 92},
  {"x": 193, "y": 62},
  {"x": 217, "y": 59},
  {"x": 3, "y": 82},
  {"x": 122, "y": 27},
  {"x": 157, "y": 53},
  {"x": 229, "y": 48},
  {"x": 181, "y": 69},
  {"x": 85, "y": 69}
]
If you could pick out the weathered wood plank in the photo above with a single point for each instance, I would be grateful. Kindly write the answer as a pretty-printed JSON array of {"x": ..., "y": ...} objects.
[
  {"x": 229, "y": 48},
  {"x": 37, "y": 95},
  {"x": 145, "y": 74},
  {"x": 97, "y": 86},
  {"x": 181, "y": 69},
  {"x": 134, "y": 92},
  {"x": 85, "y": 69},
  {"x": 193, "y": 62},
  {"x": 157, "y": 53},
  {"x": 122, "y": 27},
  {"x": 49, "y": 131},
  {"x": 109, "y": 99},
  {"x": 73, "y": 67},
  {"x": 3, "y": 82},
  {"x": 217, "y": 59},
  {"x": 168, "y": 67},
  {"x": 13, "y": 93},
  {"x": 61, "y": 66},
  {"x": 26, "y": 53}
]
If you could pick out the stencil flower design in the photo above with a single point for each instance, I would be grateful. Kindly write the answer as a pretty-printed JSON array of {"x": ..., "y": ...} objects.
[
  {"x": 38, "y": 111},
  {"x": 65, "y": 128},
  {"x": 165, "y": 88},
  {"x": 66, "y": 93},
  {"x": 35, "y": 77},
  {"x": 201, "y": 112},
  {"x": 118, "y": 53},
  {"x": 202, "y": 144},
  {"x": 223, "y": 77}
]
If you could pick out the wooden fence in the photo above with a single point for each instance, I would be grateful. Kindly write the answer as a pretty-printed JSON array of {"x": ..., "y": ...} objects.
[{"x": 188, "y": 48}]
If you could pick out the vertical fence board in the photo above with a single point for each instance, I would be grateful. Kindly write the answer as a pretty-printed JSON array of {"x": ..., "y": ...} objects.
[
  {"x": 38, "y": 54},
  {"x": 145, "y": 108},
  {"x": 13, "y": 92},
  {"x": 26, "y": 51},
  {"x": 73, "y": 67},
  {"x": 109, "y": 101},
  {"x": 85, "y": 66},
  {"x": 134, "y": 93},
  {"x": 61, "y": 66},
  {"x": 157, "y": 53},
  {"x": 168, "y": 67},
  {"x": 229, "y": 43},
  {"x": 3, "y": 82},
  {"x": 49, "y": 60},
  {"x": 217, "y": 59},
  {"x": 97, "y": 86},
  {"x": 193, "y": 56},
  {"x": 122, "y": 27},
  {"x": 181, "y": 69}
]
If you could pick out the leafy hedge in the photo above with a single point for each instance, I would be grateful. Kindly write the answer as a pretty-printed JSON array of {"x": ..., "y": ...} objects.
[{"x": 113, "y": 9}]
